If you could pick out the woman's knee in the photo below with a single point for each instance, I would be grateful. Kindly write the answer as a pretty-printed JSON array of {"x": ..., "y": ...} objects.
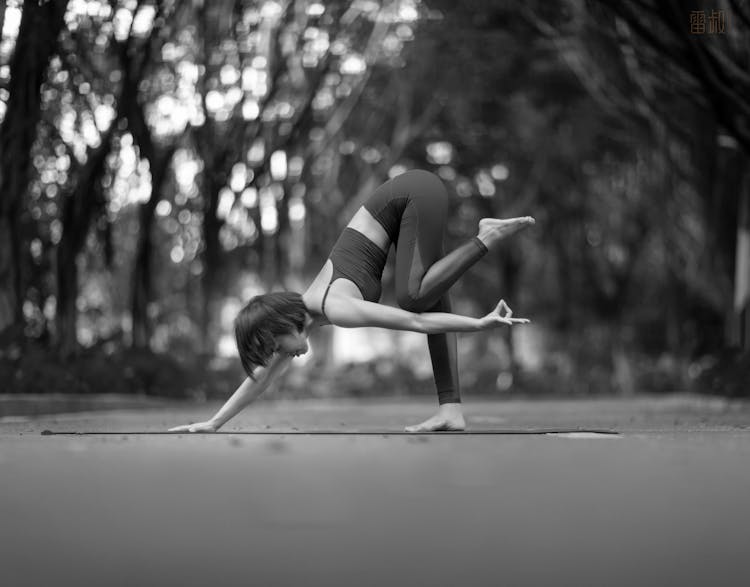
[
  {"x": 424, "y": 182},
  {"x": 410, "y": 303}
]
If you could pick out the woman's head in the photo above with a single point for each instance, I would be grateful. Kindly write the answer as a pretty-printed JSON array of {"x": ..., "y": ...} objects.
[{"x": 269, "y": 323}]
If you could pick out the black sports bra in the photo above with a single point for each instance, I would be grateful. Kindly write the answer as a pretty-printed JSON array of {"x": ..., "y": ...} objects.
[{"x": 357, "y": 258}]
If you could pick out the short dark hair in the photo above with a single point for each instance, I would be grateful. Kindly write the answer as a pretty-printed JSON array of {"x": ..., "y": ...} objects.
[{"x": 262, "y": 318}]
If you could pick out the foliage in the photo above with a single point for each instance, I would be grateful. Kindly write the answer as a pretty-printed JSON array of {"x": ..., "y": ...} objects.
[{"x": 177, "y": 157}]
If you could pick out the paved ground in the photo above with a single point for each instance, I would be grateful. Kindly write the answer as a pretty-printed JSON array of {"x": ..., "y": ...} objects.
[
  {"x": 663, "y": 503},
  {"x": 37, "y": 404}
]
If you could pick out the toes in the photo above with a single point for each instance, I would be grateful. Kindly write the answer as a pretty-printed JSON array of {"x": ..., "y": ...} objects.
[
  {"x": 436, "y": 425},
  {"x": 423, "y": 427},
  {"x": 429, "y": 426}
]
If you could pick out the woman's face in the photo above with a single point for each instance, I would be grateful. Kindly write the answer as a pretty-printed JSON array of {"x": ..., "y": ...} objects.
[{"x": 293, "y": 343}]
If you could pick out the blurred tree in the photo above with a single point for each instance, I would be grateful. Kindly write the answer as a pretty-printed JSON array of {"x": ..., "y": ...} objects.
[
  {"x": 708, "y": 68},
  {"x": 275, "y": 94},
  {"x": 135, "y": 59},
  {"x": 82, "y": 204},
  {"x": 183, "y": 156},
  {"x": 36, "y": 43},
  {"x": 93, "y": 52}
]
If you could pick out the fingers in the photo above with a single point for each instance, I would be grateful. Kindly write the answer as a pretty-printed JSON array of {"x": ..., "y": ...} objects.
[
  {"x": 503, "y": 307},
  {"x": 502, "y": 314},
  {"x": 511, "y": 321},
  {"x": 183, "y": 428}
]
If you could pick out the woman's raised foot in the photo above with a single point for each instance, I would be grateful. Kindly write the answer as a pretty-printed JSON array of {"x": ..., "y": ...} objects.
[{"x": 492, "y": 230}]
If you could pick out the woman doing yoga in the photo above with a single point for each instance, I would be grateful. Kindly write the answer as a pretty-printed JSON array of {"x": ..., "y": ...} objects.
[{"x": 409, "y": 211}]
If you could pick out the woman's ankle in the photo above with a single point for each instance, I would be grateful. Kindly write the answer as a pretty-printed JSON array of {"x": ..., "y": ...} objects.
[{"x": 451, "y": 407}]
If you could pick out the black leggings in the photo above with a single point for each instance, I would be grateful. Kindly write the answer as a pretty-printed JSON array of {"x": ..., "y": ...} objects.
[{"x": 413, "y": 209}]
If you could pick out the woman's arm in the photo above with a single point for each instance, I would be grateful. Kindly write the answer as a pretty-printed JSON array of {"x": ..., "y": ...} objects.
[
  {"x": 436, "y": 322},
  {"x": 246, "y": 393},
  {"x": 351, "y": 313}
]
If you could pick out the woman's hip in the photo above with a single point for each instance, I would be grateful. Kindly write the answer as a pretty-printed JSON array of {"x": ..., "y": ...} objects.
[{"x": 420, "y": 190}]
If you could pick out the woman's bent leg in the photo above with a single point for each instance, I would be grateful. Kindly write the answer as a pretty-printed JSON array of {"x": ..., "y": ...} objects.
[
  {"x": 423, "y": 272},
  {"x": 439, "y": 277},
  {"x": 419, "y": 202}
]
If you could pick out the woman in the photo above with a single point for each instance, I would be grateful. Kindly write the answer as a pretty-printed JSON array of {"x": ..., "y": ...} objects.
[{"x": 409, "y": 211}]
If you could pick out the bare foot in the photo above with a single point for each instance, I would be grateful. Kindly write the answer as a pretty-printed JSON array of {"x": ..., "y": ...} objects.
[
  {"x": 449, "y": 417},
  {"x": 492, "y": 230}
]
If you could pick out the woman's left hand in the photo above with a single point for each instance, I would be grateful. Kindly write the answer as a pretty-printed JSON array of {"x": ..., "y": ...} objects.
[
  {"x": 208, "y": 426},
  {"x": 502, "y": 314}
]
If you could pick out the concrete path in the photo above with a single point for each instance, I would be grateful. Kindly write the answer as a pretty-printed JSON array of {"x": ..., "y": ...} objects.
[{"x": 663, "y": 503}]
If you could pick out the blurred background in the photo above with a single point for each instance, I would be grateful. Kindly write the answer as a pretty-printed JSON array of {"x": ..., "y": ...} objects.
[{"x": 163, "y": 161}]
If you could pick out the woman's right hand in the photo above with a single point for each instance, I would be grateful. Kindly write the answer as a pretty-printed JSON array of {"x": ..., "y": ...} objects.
[
  {"x": 502, "y": 314},
  {"x": 207, "y": 426}
]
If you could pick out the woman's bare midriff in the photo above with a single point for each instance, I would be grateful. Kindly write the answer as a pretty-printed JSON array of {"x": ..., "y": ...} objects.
[{"x": 364, "y": 223}]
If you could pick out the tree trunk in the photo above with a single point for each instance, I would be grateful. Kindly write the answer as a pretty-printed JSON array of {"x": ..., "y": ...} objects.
[
  {"x": 37, "y": 42},
  {"x": 66, "y": 313},
  {"x": 132, "y": 109},
  {"x": 623, "y": 373},
  {"x": 564, "y": 273},
  {"x": 742, "y": 269},
  {"x": 211, "y": 258},
  {"x": 725, "y": 205},
  {"x": 509, "y": 267},
  {"x": 282, "y": 238},
  {"x": 79, "y": 208},
  {"x": 142, "y": 292},
  {"x": 2, "y": 16},
  {"x": 11, "y": 319}
]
